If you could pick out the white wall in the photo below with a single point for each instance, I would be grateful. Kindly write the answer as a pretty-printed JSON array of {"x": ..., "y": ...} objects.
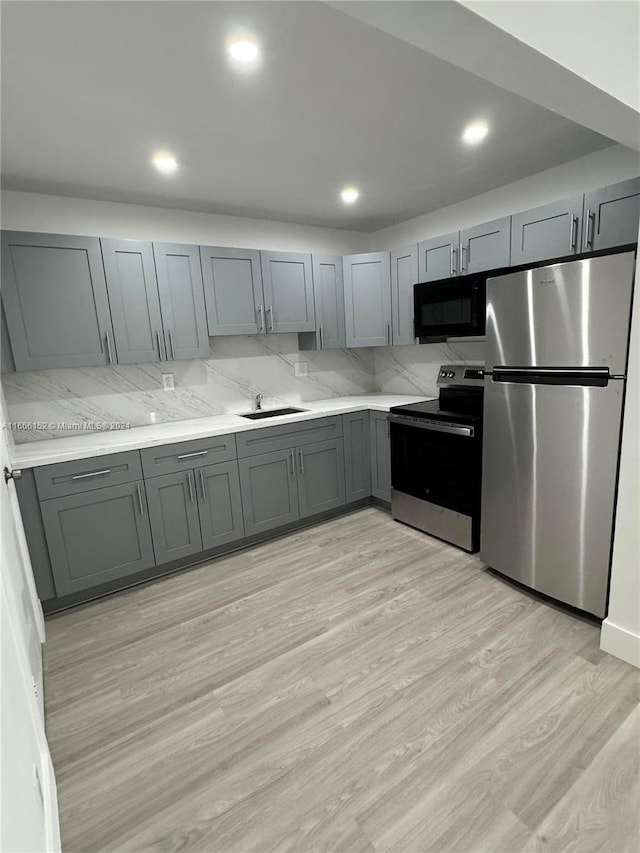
[
  {"x": 608, "y": 166},
  {"x": 573, "y": 34},
  {"x": 61, "y": 215}
]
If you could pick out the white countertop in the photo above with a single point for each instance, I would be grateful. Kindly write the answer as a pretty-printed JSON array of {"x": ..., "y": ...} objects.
[{"x": 85, "y": 445}]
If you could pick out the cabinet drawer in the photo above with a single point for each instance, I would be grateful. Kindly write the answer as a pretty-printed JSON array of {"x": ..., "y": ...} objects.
[
  {"x": 83, "y": 475},
  {"x": 184, "y": 455},
  {"x": 281, "y": 437}
]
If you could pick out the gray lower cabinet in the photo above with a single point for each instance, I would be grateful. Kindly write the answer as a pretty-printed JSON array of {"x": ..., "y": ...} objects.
[
  {"x": 233, "y": 290},
  {"x": 320, "y": 477},
  {"x": 181, "y": 292},
  {"x": 547, "y": 232},
  {"x": 133, "y": 297},
  {"x": 55, "y": 300},
  {"x": 485, "y": 247},
  {"x": 173, "y": 512},
  {"x": 328, "y": 288},
  {"x": 611, "y": 216},
  {"x": 367, "y": 295},
  {"x": 287, "y": 282},
  {"x": 380, "y": 456},
  {"x": 438, "y": 257},
  {"x": 404, "y": 275},
  {"x": 269, "y": 490},
  {"x": 357, "y": 456},
  {"x": 220, "y": 504},
  {"x": 97, "y": 536}
]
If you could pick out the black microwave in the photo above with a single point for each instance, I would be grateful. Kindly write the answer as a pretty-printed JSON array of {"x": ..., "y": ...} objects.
[{"x": 451, "y": 307}]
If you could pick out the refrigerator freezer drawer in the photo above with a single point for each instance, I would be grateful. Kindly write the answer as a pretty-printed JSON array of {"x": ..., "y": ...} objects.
[{"x": 550, "y": 456}]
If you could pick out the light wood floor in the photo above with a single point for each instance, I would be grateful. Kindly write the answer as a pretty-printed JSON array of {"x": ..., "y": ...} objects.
[{"x": 356, "y": 686}]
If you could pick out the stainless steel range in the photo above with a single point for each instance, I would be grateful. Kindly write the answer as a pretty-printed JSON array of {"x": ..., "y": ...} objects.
[{"x": 436, "y": 458}]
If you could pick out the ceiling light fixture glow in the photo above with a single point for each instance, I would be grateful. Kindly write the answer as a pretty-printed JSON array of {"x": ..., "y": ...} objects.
[
  {"x": 349, "y": 195},
  {"x": 165, "y": 163},
  {"x": 475, "y": 132},
  {"x": 243, "y": 51}
]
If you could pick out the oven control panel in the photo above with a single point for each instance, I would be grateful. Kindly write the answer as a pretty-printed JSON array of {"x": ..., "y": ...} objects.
[{"x": 461, "y": 374}]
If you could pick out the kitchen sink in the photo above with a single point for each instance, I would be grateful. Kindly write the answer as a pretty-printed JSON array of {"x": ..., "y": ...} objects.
[{"x": 272, "y": 413}]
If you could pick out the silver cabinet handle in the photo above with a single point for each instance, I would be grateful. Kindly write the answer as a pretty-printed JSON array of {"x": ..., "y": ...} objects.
[
  {"x": 171, "y": 349},
  {"x": 454, "y": 261},
  {"x": 109, "y": 353},
  {"x": 588, "y": 239},
  {"x": 389, "y": 333},
  {"x": 270, "y": 313},
  {"x": 190, "y": 481},
  {"x": 203, "y": 489},
  {"x": 191, "y": 455},
  {"x": 451, "y": 262},
  {"x": 573, "y": 233},
  {"x": 321, "y": 337},
  {"x": 159, "y": 344},
  {"x": 292, "y": 463},
  {"x": 261, "y": 319},
  {"x": 140, "y": 501},
  {"x": 91, "y": 474},
  {"x": 300, "y": 461},
  {"x": 463, "y": 250}
]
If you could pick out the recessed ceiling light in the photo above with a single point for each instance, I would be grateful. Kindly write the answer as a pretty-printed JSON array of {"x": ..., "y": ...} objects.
[
  {"x": 349, "y": 195},
  {"x": 243, "y": 51},
  {"x": 165, "y": 163},
  {"x": 475, "y": 132}
]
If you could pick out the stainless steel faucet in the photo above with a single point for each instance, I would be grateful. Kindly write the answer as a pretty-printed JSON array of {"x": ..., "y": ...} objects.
[{"x": 259, "y": 399}]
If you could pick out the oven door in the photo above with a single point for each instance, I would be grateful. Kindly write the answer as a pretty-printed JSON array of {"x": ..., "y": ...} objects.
[
  {"x": 448, "y": 308},
  {"x": 436, "y": 471}
]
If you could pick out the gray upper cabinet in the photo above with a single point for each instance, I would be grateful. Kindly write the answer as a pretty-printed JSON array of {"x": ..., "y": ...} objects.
[
  {"x": 357, "y": 456},
  {"x": 547, "y": 232},
  {"x": 438, "y": 257},
  {"x": 485, "y": 247},
  {"x": 55, "y": 301},
  {"x": 173, "y": 512},
  {"x": 220, "y": 504},
  {"x": 612, "y": 215},
  {"x": 320, "y": 477},
  {"x": 133, "y": 297},
  {"x": 380, "y": 456},
  {"x": 367, "y": 295},
  {"x": 233, "y": 290},
  {"x": 404, "y": 275},
  {"x": 328, "y": 285},
  {"x": 97, "y": 536},
  {"x": 182, "y": 306},
  {"x": 269, "y": 490},
  {"x": 288, "y": 292}
]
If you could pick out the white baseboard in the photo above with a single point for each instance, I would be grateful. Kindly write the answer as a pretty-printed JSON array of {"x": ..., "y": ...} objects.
[{"x": 621, "y": 643}]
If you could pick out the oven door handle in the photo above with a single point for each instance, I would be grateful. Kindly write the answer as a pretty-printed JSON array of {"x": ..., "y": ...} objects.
[{"x": 453, "y": 429}]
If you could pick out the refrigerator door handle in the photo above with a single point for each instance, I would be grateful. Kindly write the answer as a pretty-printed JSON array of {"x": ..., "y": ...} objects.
[{"x": 591, "y": 376}]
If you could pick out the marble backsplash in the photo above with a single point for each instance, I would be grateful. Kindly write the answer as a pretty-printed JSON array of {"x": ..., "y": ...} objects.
[{"x": 53, "y": 402}]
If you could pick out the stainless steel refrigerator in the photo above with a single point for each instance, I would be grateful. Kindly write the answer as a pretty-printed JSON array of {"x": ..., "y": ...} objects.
[{"x": 556, "y": 357}]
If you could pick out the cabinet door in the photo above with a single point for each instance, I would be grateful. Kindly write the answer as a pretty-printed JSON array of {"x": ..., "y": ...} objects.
[
  {"x": 404, "y": 275},
  {"x": 320, "y": 476},
  {"x": 173, "y": 512},
  {"x": 133, "y": 298},
  {"x": 611, "y": 216},
  {"x": 438, "y": 257},
  {"x": 288, "y": 292},
  {"x": 55, "y": 301},
  {"x": 97, "y": 536},
  {"x": 367, "y": 295},
  {"x": 380, "y": 456},
  {"x": 328, "y": 286},
  {"x": 6, "y": 356},
  {"x": 269, "y": 490},
  {"x": 233, "y": 290},
  {"x": 486, "y": 246},
  {"x": 357, "y": 456},
  {"x": 181, "y": 301},
  {"x": 547, "y": 232},
  {"x": 220, "y": 504}
]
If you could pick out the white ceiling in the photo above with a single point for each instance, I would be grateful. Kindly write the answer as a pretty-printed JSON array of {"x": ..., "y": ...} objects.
[{"x": 91, "y": 90}]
